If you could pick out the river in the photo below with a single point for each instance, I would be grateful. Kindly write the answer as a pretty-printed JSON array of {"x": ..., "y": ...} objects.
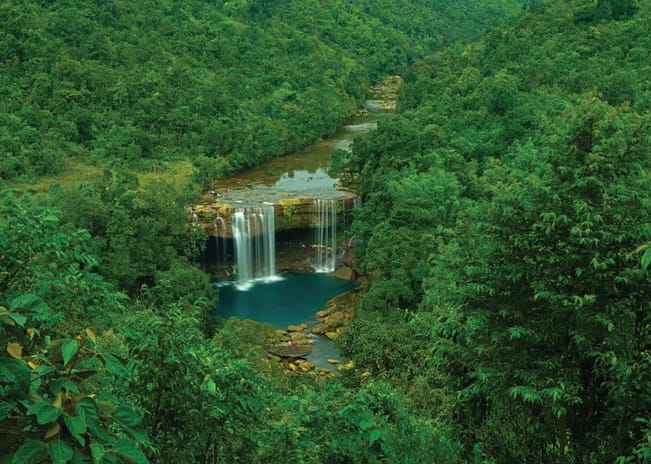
[{"x": 286, "y": 298}]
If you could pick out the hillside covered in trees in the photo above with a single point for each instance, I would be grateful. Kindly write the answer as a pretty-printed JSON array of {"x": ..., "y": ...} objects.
[
  {"x": 505, "y": 231},
  {"x": 224, "y": 84}
]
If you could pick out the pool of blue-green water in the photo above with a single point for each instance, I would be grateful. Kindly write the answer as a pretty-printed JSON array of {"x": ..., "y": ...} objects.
[{"x": 289, "y": 299}]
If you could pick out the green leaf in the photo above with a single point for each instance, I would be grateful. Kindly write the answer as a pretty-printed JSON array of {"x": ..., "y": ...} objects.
[
  {"x": 210, "y": 386},
  {"x": 30, "y": 452},
  {"x": 366, "y": 423},
  {"x": 132, "y": 422},
  {"x": 76, "y": 426},
  {"x": 44, "y": 411},
  {"x": 78, "y": 458},
  {"x": 60, "y": 452},
  {"x": 29, "y": 302},
  {"x": 97, "y": 451},
  {"x": 5, "y": 409},
  {"x": 646, "y": 259},
  {"x": 375, "y": 435},
  {"x": 69, "y": 350},
  {"x": 114, "y": 366},
  {"x": 51, "y": 217},
  {"x": 14, "y": 371},
  {"x": 127, "y": 449},
  {"x": 72, "y": 387},
  {"x": 18, "y": 319},
  {"x": 87, "y": 409}
]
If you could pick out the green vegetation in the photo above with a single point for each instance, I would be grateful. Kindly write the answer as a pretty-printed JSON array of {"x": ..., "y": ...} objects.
[
  {"x": 505, "y": 231},
  {"x": 89, "y": 374},
  {"x": 223, "y": 84},
  {"x": 110, "y": 352}
]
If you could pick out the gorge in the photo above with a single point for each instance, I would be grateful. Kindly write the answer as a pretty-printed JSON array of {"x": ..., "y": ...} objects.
[
  {"x": 292, "y": 195},
  {"x": 275, "y": 231}
]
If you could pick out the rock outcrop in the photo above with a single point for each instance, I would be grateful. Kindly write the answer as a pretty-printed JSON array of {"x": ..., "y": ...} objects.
[{"x": 289, "y": 213}]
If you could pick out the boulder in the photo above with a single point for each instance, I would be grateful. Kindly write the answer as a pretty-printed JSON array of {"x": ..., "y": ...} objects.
[
  {"x": 331, "y": 335},
  {"x": 323, "y": 314},
  {"x": 300, "y": 337},
  {"x": 344, "y": 273},
  {"x": 333, "y": 361},
  {"x": 320, "y": 329},
  {"x": 290, "y": 351},
  {"x": 297, "y": 328},
  {"x": 304, "y": 365}
]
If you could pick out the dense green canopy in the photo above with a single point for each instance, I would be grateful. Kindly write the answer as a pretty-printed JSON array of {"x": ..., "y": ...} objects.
[
  {"x": 224, "y": 84},
  {"x": 506, "y": 225},
  {"x": 505, "y": 231}
]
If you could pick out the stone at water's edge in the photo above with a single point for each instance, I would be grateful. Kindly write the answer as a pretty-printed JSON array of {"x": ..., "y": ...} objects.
[
  {"x": 289, "y": 213},
  {"x": 296, "y": 328},
  {"x": 344, "y": 272},
  {"x": 320, "y": 329},
  {"x": 290, "y": 351}
]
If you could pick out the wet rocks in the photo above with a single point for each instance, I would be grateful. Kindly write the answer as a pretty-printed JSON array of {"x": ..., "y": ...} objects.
[
  {"x": 296, "y": 328},
  {"x": 290, "y": 346},
  {"x": 336, "y": 316},
  {"x": 300, "y": 366},
  {"x": 344, "y": 272}
]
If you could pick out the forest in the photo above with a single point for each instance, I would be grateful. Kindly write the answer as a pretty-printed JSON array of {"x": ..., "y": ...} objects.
[
  {"x": 142, "y": 83},
  {"x": 504, "y": 230}
]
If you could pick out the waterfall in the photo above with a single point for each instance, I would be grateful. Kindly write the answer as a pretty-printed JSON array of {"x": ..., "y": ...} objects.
[
  {"x": 270, "y": 234},
  {"x": 254, "y": 241},
  {"x": 242, "y": 244},
  {"x": 325, "y": 235}
]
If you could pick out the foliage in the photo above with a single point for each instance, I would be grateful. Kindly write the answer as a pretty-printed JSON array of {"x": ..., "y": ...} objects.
[
  {"x": 136, "y": 230},
  {"x": 532, "y": 276},
  {"x": 37, "y": 256},
  {"x": 550, "y": 314},
  {"x": 169, "y": 361},
  {"x": 331, "y": 424},
  {"x": 50, "y": 406},
  {"x": 504, "y": 232},
  {"x": 225, "y": 84}
]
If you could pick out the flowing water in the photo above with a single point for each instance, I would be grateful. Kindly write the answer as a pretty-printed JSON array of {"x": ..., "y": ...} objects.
[
  {"x": 302, "y": 173},
  {"x": 289, "y": 298},
  {"x": 247, "y": 251}
]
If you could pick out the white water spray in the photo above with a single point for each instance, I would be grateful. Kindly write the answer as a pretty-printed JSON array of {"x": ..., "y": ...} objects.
[
  {"x": 254, "y": 241},
  {"x": 325, "y": 235}
]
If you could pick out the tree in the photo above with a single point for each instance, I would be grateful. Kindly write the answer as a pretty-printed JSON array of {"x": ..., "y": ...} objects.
[
  {"x": 543, "y": 307},
  {"x": 53, "y": 367},
  {"x": 136, "y": 230}
]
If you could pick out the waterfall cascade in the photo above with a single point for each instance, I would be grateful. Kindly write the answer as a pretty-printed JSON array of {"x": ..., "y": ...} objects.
[
  {"x": 254, "y": 242},
  {"x": 325, "y": 235},
  {"x": 244, "y": 241}
]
